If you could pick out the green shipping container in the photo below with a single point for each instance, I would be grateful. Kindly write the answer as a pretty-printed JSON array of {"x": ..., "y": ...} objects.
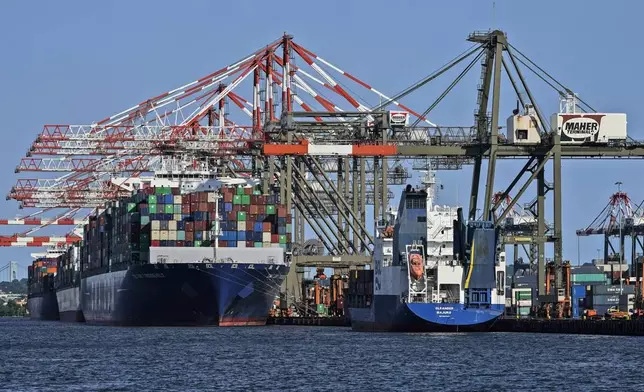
[
  {"x": 588, "y": 278},
  {"x": 177, "y": 209},
  {"x": 162, "y": 190},
  {"x": 152, "y": 199},
  {"x": 145, "y": 219},
  {"x": 237, "y": 199},
  {"x": 258, "y": 245},
  {"x": 257, "y": 192},
  {"x": 169, "y": 209},
  {"x": 197, "y": 244},
  {"x": 153, "y": 208},
  {"x": 241, "y": 216},
  {"x": 523, "y": 295},
  {"x": 245, "y": 199},
  {"x": 282, "y": 239},
  {"x": 270, "y": 210},
  {"x": 524, "y": 311},
  {"x": 321, "y": 309},
  {"x": 289, "y": 228},
  {"x": 131, "y": 207},
  {"x": 240, "y": 190},
  {"x": 181, "y": 235}
]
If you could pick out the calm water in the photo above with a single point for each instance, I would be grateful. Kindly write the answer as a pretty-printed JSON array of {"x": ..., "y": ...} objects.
[{"x": 52, "y": 356}]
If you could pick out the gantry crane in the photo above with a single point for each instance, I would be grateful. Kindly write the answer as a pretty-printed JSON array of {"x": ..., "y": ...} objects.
[{"x": 316, "y": 132}]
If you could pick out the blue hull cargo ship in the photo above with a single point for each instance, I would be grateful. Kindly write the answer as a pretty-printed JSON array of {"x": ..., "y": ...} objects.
[
  {"x": 430, "y": 273},
  {"x": 208, "y": 257}
]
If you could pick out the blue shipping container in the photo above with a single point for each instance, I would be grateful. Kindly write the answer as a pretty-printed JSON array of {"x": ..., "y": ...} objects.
[
  {"x": 228, "y": 207},
  {"x": 241, "y": 236},
  {"x": 258, "y": 227},
  {"x": 232, "y": 244},
  {"x": 181, "y": 225}
]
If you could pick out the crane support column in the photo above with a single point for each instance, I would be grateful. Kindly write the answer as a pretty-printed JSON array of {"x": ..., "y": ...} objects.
[
  {"x": 354, "y": 182},
  {"x": 558, "y": 237},
  {"x": 541, "y": 228},
  {"x": 499, "y": 42},
  {"x": 481, "y": 125},
  {"x": 363, "y": 200}
]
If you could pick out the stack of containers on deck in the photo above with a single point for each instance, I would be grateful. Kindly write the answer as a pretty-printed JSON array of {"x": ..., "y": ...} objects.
[
  {"x": 163, "y": 217},
  {"x": 601, "y": 298},
  {"x": 253, "y": 220}
]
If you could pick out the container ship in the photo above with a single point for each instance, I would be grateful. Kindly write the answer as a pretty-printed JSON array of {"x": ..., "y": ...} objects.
[
  {"x": 41, "y": 297},
  {"x": 419, "y": 283},
  {"x": 68, "y": 281},
  {"x": 207, "y": 253}
]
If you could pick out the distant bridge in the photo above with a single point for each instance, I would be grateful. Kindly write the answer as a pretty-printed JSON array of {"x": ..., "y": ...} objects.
[{"x": 12, "y": 271}]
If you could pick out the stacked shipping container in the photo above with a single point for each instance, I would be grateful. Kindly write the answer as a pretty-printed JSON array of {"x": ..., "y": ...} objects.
[
  {"x": 163, "y": 217},
  {"x": 40, "y": 273}
]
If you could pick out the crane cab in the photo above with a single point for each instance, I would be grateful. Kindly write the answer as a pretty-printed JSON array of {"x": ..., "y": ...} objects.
[{"x": 524, "y": 128}]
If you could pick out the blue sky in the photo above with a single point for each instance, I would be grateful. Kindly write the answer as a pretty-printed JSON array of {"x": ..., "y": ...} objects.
[{"x": 78, "y": 62}]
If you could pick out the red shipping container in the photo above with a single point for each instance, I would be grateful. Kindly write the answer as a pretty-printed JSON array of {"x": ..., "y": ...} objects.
[
  {"x": 228, "y": 197},
  {"x": 254, "y": 199},
  {"x": 275, "y": 238},
  {"x": 200, "y": 225},
  {"x": 246, "y": 209},
  {"x": 261, "y": 210},
  {"x": 266, "y": 227},
  {"x": 250, "y": 244},
  {"x": 288, "y": 238},
  {"x": 190, "y": 236},
  {"x": 231, "y": 216},
  {"x": 236, "y": 208},
  {"x": 223, "y": 244},
  {"x": 254, "y": 209},
  {"x": 203, "y": 207},
  {"x": 281, "y": 212},
  {"x": 185, "y": 209},
  {"x": 194, "y": 207},
  {"x": 155, "y": 243},
  {"x": 180, "y": 244},
  {"x": 211, "y": 207},
  {"x": 203, "y": 198},
  {"x": 185, "y": 200},
  {"x": 190, "y": 226},
  {"x": 248, "y": 191}
]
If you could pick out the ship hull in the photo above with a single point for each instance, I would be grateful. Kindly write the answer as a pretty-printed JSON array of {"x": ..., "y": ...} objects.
[
  {"x": 223, "y": 294},
  {"x": 43, "y": 306},
  {"x": 69, "y": 307},
  {"x": 389, "y": 314}
]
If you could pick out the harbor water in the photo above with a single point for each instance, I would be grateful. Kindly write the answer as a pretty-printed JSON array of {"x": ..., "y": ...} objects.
[{"x": 55, "y": 356}]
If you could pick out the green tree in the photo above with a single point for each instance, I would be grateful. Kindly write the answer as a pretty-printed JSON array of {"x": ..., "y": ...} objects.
[{"x": 12, "y": 309}]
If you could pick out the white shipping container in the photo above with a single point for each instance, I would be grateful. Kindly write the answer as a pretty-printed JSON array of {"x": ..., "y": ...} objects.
[
  {"x": 169, "y": 254},
  {"x": 266, "y": 237},
  {"x": 178, "y": 199},
  {"x": 578, "y": 128},
  {"x": 241, "y": 226},
  {"x": 172, "y": 235},
  {"x": 156, "y": 225},
  {"x": 172, "y": 225},
  {"x": 177, "y": 217},
  {"x": 212, "y": 197},
  {"x": 163, "y": 236},
  {"x": 206, "y": 235},
  {"x": 155, "y": 235},
  {"x": 266, "y": 244},
  {"x": 241, "y": 244}
]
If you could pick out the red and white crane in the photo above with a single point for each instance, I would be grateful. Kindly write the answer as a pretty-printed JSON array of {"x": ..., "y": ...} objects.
[{"x": 74, "y": 169}]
